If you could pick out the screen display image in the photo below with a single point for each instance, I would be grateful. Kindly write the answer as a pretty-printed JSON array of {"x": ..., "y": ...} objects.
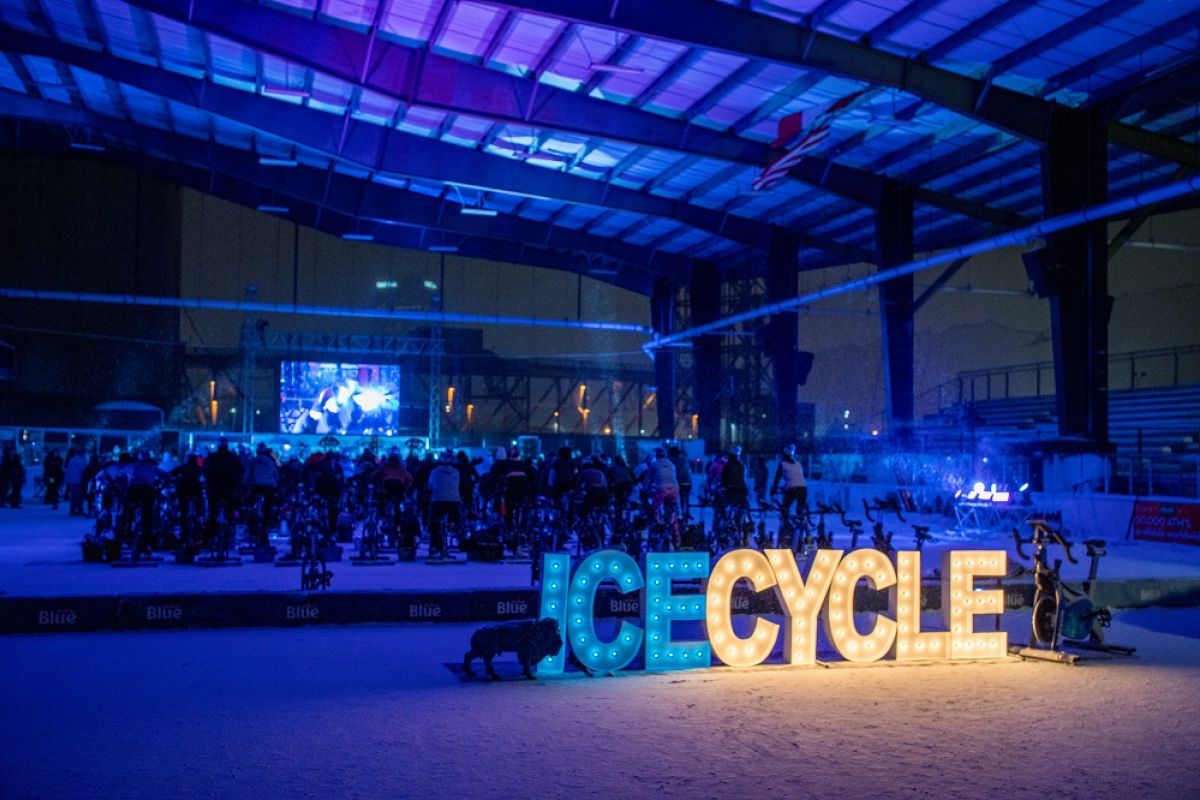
[{"x": 321, "y": 397}]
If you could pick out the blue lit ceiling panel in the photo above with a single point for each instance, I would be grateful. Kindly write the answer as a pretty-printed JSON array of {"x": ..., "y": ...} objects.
[{"x": 541, "y": 100}]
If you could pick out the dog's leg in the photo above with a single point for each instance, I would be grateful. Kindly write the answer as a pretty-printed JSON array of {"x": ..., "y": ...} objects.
[
  {"x": 529, "y": 676},
  {"x": 491, "y": 671},
  {"x": 577, "y": 664},
  {"x": 467, "y": 659}
]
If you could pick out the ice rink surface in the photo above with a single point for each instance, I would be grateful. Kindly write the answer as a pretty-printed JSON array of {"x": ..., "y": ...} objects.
[{"x": 374, "y": 712}]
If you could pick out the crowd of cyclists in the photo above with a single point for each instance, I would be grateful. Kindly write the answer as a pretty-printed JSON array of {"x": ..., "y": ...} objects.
[{"x": 447, "y": 502}]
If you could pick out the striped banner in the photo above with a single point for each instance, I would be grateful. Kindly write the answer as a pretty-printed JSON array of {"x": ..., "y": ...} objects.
[{"x": 812, "y": 127}]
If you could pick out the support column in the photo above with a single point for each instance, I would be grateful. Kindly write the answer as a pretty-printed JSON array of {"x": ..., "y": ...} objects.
[
  {"x": 781, "y": 338},
  {"x": 705, "y": 290},
  {"x": 894, "y": 243},
  {"x": 662, "y": 317},
  {"x": 1074, "y": 175}
]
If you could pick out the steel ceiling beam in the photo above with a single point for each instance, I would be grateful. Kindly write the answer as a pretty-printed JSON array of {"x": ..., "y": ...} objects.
[
  {"x": 1172, "y": 29},
  {"x": 423, "y": 78},
  {"x": 1181, "y": 84},
  {"x": 382, "y": 149},
  {"x": 206, "y": 164},
  {"x": 902, "y": 18},
  {"x": 1060, "y": 35},
  {"x": 976, "y": 28},
  {"x": 826, "y": 10},
  {"x": 700, "y": 23}
]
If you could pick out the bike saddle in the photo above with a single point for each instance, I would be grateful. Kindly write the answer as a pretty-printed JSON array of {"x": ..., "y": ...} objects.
[
  {"x": 854, "y": 523},
  {"x": 1097, "y": 544},
  {"x": 921, "y": 529}
]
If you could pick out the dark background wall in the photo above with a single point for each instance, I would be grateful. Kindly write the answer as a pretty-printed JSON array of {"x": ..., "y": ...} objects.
[{"x": 84, "y": 225}]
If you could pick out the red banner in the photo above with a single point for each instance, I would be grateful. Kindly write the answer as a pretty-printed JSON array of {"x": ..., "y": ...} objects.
[{"x": 1167, "y": 522}]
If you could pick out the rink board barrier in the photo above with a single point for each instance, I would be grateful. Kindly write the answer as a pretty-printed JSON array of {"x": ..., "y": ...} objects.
[{"x": 263, "y": 609}]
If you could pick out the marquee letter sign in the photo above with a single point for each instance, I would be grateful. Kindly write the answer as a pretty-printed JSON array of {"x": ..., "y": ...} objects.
[{"x": 826, "y": 592}]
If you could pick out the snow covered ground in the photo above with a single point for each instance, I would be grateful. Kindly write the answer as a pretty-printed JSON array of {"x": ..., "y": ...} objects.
[
  {"x": 40, "y": 556},
  {"x": 367, "y": 712},
  {"x": 373, "y": 711}
]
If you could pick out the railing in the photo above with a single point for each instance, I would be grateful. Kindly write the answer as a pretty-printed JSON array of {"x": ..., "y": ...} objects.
[
  {"x": 1164, "y": 367},
  {"x": 1177, "y": 476}
]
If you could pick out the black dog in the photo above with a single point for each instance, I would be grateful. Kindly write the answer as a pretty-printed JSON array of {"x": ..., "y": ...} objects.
[{"x": 531, "y": 641}]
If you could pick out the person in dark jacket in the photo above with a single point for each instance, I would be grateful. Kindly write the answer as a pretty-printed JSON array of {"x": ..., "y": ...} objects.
[
  {"x": 683, "y": 475},
  {"x": 468, "y": 478},
  {"x": 73, "y": 480},
  {"x": 90, "y": 472},
  {"x": 52, "y": 477},
  {"x": 223, "y": 477},
  {"x": 734, "y": 490},
  {"x": 14, "y": 478},
  {"x": 143, "y": 478}
]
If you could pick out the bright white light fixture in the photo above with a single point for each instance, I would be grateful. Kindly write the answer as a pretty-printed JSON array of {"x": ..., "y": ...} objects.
[
  {"x": 476, "y": 211},
  {"x": 443, "y": 248},
  {"x": 386, "y": 284},
  {"x": 267, "y": 209},
  {"x": 431, "y": 285},
  {"x": 358, "y": 237},
  {"x": 272, "y": 161}
]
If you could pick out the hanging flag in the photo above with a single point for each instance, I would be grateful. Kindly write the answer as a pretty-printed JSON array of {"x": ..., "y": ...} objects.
[{"x": 812, "y": 126}]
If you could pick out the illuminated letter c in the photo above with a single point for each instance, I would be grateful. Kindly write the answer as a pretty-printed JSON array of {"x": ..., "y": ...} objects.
[{"x": 726, "y": 644}]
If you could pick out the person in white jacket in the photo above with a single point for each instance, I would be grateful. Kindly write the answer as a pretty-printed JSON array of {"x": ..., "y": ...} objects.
[{"x": 790, "y": 473}]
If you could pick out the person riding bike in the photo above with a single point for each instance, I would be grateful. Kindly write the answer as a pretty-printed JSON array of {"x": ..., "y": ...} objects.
[
  {"x": 222, "y": 476},
  {"x": 444, "y": 503},
  {"x": 683, "y": 475},
  {"x": 734, "y": 491},
  {"x": 393, "y": 480},
  {"x": 790, "y": 473},
  {"x": 561, "y": 477},
  {"x": 143, "y": 479},
  {"x": 263, "y": 477},
  {"x": 516, "y": 480},
  {"x": 660, "y": 483},
  {"x": 591, "y": 486}
]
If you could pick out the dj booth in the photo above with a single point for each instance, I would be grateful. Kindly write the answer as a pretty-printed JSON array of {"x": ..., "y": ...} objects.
[{"x": 982, "y": 511}]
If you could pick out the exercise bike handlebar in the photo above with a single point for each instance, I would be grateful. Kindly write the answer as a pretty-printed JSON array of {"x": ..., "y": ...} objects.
[
  {"x": 882, "y": 506},
  {"x": 1042, "y": 534},
  {"x": 1018, "y": 541}
]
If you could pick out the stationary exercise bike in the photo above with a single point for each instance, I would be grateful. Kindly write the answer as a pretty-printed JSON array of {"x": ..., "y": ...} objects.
[
  {"x": 1063, "y": 616},
  {"x": 920, "y": 536},
  {"x": 879, "y": 540},
  {"x": 825, "y": 538}
]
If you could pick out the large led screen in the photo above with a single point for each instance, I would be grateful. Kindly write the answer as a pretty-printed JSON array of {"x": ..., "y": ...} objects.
[{"x": 319, "y": 397}]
